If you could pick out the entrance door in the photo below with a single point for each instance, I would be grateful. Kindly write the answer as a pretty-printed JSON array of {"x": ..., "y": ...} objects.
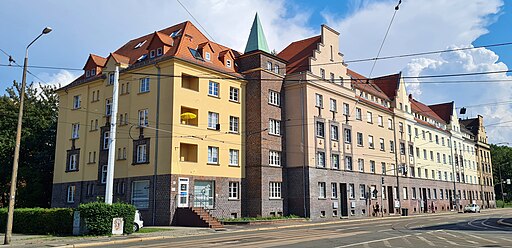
[
  {"x": 425, "y": 200},
  {"x": 452, "y": 203},
  {"x": 391, "y": 206},
  {"x": 344, "y": 199},
  {"x": 183, "y": 193}
]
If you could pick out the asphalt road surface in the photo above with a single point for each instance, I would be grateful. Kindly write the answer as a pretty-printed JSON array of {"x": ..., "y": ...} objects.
[{"x": 449, "y": 230}]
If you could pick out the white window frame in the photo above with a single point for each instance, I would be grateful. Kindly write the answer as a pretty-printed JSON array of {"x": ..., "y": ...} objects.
[
  {"x": 320, "y": 159},
  {"x": 213, "y": 88},
  {"x": 213, "y": 120},
  {"x": 72, "y": 165},
  {"x": 233, "y": 190},
  {"x": 332, "y": 105},
  {"x": 274, "y": 158},
  {"x": 274, "y": 190},
  {"x": 141, "y": 153},
  {"x": 71, "y": 194},
  {"x": 106, "y": 140},
  {"x": 234, "y": 94},
  {"x": 108, "y": 106},
  {"x": 75, "y": 130},
  {"x": 233, "y": 157},
  {"x": 320, "y": 129},
  {"x": 213, "y": 155},
  {"x": 335, "y": 161},
  {"x": 335, "y": 135},
  {"x": 234, "y": 124},
  {"x": 143, "y": 118},
  {"x": 346, "y": 109},
  {"x": 228, "y": 63},
  {"x": 104, "y": 171},
  {"x": 319, "y": 101},
  {"x": 274, "y": 127},
  {"x": 144, "y": 85},
  {"x": 351, "y": 191},
  {"x": 359, "y": 114},
  {"x": 369, "y": 117},
  {"x": 77, "y": 102},
  {"x": 274, "y": 98},
  {"x": 322, "y": 190},
  {"x": 334, "y": 191},
  {"x": 159, "y": 51}
]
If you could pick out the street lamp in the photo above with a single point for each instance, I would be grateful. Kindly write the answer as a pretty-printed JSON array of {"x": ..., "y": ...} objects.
[{"x": 8, "y": 232}]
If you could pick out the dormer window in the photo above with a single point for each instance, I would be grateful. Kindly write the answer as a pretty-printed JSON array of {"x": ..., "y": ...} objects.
[
  {"x": 152, "y": 54},
  {"x": 159, "y": 51},
  {"x": 228, "y": 63},
  {"x": 93, "y": 72},
  {"x": 207, "y": 56},
  {"x": 87, "y": 73},
  {"x": 175, "y": 33},
  {"x": 140, "y": 44}
]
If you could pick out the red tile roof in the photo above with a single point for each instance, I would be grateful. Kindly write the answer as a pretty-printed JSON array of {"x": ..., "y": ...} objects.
[
  {"x": 422, "y": 109},
  {"x": 298, "y": 53},
  {"x": 443, "y": 110},
  {"x": 422, "y": 122},
  {"x": 120, "y": 58},
  {"x": 362, "y": 83},
  {"x": 388, "y": 84}
]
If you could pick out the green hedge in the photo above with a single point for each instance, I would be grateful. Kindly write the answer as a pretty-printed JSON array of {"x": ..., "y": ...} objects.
[
  {"x": 39, "y": 220},
  {"x": 98, "y": 216}
]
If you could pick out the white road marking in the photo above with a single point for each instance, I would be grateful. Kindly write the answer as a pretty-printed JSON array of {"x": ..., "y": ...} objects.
[
  {"x": 406, "y": 241},
  {"x": 426, "y": 241},
  {"x": 387, "y": 244},
  {"x": 446, "y": 240},
  {"x": 380, "y": 240},
  {"x": 385, "y": 230},
  {"x": 478, "y": 237}
]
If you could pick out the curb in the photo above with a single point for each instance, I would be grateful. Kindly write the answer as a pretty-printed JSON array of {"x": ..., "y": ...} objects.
[
  {"x": 134, "y": 240},
  {"x": 503, "y": 222}
]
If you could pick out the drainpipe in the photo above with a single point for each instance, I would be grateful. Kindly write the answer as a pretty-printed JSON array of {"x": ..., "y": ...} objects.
[{"x": 157, "y": 126}]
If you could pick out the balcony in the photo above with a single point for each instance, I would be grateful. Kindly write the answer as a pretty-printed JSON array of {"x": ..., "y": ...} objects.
[
  {"x": 188, "y": 153},
  {"x": 189, "y": 82},
  {"x": 189, "y": 116}
]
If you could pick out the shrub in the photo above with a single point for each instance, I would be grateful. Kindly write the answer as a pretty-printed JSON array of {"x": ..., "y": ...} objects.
[
  {"x": 39, "y": 220},
  {"x": 98, "y": 216}
]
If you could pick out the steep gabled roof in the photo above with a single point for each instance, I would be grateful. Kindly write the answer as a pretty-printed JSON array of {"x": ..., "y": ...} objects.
[
  {"x": 472, "y": 124},
  {"x": 423, "y": 109},
  {"x": 119, "y": 58},
  {"x": 388, "y": 84},
  {"x": 362, "y": 83},
  {"x": 298, "y": 53},
  {"x": 257, "y": 40},
  {"x": 98, "y": 60},
  {"x": 443, "y": 110}
]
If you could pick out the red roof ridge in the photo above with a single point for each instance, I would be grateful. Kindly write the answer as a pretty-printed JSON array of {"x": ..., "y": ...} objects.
[
  {"x": 388, "y": 84},
  {"x": 119, "y": 58},
  {"x": 419, "y": 107},
  {"x": 444, "y": 110}
]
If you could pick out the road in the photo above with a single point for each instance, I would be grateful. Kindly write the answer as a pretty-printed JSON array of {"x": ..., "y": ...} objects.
[{"x": 447, "y": 230}]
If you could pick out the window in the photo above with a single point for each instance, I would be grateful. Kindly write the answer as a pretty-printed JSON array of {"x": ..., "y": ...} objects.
[
  {"x": 360, "y": 164},
  {"x": 73, "y": 161},
  {"x": 346, "y": 109},
  {"x": 108, "y": 107},
  {"x": 75, "y": 130},
  {"x": 390, "y": 124},
  {"x": 404, "y": 192},
  {"x": 234, "y": 94},
  {"x": 213, "y": 155},
  {"x": 233, "y": 190},
  {"x": 140, "y": 194},
  {"x": 143, "y": 118},
  {"x": 76, "y": 102},
  {"x": 321, "y": 190},
  {"x": 379, "y": 121},
  {"x": 93, "y": 72},
  {"x": 228, "y": 63},
  {"x": 359, "y": 139},
  {"x": 275, "y": 190},
  {"x": 334, "y": 132},
  {"x": 359, "y": 114},
  {"x": 276, "y": 68},
  {"x": 332, "y": 77},
  {"x": 213, "y": 120},
  {"x": 372, "y": 166},
  {"x": 104, "y": 170},
  {"x": 383, "y": 168},
  {"x": 348, "y": 135},
  {"x": 424, "y": 154},
  {"x": 320, "y": 129},
  {"x": 432, "y": 155},
  {"x": 413, "y": 189},
  {"x": 402, "y": 148},
  {"x": 213, "y": 89},
  {"x": 233, "y": 124},
  {"x": 348, "y": 163},
  {"x": 233, "y": 157},
  {"x": 207, "y": 56},
  {"x": 382, "y": 146},
  {"x": 334, "y": 190},
  {"x": 351, "y": 191},
  {"x": 144, "y": 85},
  {"x": 152, "y": 54},
  {"x": 370, "y": 141},
  {"x": 438, "y": 157},
  {"x": 417, "y": 152},
  {"x": 106, "y": 140},
  {"x": 362, "y": 191},
  {"x": 320, "y": 159},
  {"x": 373, "y": 191},
  {"x": 332, "y": 105},
  {"x": 111, "y": 78},
  {"x": 335, "y": 161},
  {"x": 269, "y": 66},
  {"x": 141, "y": 153},
  {"x": 71, "y": 194},
  {"x": 274, "y": 127},
  {"x": 322, "y": 73},
  {"x": 274, "y": 158},
  {"x": 319, "y": 102},
  {"x": 274, "y": 98},
  {"x": 392, "y": 146},
  {"x": 369, "y": 117}
]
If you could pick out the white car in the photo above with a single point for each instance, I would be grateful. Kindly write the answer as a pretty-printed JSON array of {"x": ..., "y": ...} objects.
[
  {"x": 138, "y": 223},
  {"x": 472, "y": 208}
]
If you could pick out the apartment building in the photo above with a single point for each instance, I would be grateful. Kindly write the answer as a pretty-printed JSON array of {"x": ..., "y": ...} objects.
[{"x": 179, "y": 127}]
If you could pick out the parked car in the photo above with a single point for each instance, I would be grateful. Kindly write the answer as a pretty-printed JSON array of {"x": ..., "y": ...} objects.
[
  {"x": 472, "y": 208},
  {"x": 138, "y": 223}
]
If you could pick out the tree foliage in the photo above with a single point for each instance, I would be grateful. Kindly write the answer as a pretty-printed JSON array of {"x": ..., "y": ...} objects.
[
  {"x": 37, "y": 149},
  {"x": 501, "y": 158}
]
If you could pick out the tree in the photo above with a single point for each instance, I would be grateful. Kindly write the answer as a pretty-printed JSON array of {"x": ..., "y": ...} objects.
[
  {"x": 501, "y": 158},
  {"x": 37, "y": 149}
]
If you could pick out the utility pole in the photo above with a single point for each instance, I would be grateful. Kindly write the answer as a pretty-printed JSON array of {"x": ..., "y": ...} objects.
[
  {"x": 14, "y": 181},
  {"x": 112, "y": 140}
]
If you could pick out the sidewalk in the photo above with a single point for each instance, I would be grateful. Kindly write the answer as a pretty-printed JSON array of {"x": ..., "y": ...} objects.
[{"x": 167, "y": 232}]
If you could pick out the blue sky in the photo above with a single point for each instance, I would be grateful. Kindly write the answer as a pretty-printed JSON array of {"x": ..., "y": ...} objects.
[{"x": 100, "y": 27}]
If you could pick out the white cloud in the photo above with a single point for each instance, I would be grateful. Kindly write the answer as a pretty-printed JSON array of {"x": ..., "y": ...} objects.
[{"x": 59, "y": 79}]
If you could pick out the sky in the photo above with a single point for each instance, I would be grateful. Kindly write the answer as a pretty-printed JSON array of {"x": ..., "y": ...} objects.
[{"x": 102, "y": 26}]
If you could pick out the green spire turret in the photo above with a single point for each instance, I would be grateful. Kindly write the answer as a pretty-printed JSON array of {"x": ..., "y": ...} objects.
[{"x": 257, "y": 40}]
